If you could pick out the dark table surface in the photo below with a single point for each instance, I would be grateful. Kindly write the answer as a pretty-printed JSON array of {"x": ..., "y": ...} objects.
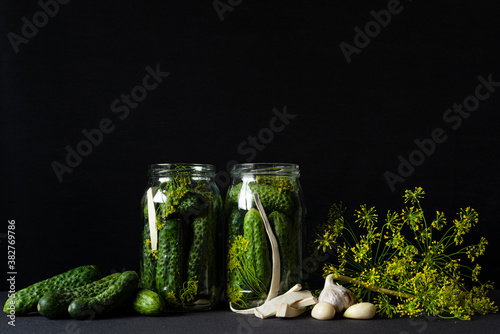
[{"x": 222, "y": 320}]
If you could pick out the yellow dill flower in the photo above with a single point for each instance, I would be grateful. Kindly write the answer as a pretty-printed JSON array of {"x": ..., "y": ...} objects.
[
  {"x": 439, "y": 222},
  {"x": 360, "y": 252},
  {"x": 397, "y": 241},
  {"x": 481, "y": 247},
  {"x": 189, "y": 290},
  {"x": 325, "y": 242},
  {"x": 366, "y": 217},
  {"x": 393, "y": 267},
  {"x": 171, "y": 298},
  {"x": 414, "y": 196},
  {"x": 475, "y": 272},
  {"x": 370, "y": 276},
  {"x": 393, "y": 221},
  {"x": 412, "y": 216}
]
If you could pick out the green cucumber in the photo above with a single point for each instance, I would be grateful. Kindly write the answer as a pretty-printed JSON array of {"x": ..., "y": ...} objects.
[
  {"x": 148, "y": 302},
  {"x": 235, "y": 223},
  {"x": 147, "y": 262},
  {"x": 169, "y": 266},
  {"x": 26, "y": 300},
  {"x": 257, "y": 256},
  {"x": 272, "y": 199},
  {"x": 193, "y": 203},
  {"x": 201, "y": 258},
  {"x": 113, "y": 298},
  {"x": 286, "y": 237},
  {"x": 54, "y": 304},
  {"x": 232, "y": 197},
  {"x": 189, "y": 204}
]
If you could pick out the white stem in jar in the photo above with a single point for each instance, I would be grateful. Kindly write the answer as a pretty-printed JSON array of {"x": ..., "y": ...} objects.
[
  {"x": 275, "y": 278},
  {"x": 152, "y": 220}
]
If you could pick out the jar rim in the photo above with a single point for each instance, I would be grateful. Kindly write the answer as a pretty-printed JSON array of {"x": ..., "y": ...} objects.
[
  {"x": 162, "y": 169},
  {"x": 266, "y": 168}
]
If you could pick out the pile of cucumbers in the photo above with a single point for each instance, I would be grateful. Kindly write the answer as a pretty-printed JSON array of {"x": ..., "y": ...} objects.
[{"x": 81, "y": 293}]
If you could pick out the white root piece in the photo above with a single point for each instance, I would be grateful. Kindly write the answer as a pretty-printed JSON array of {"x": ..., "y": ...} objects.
[
  {"x": 270, "y": 308},
  {"x": 152, "y": 220},
  {"x": 295, "y": 288},
  {"x": 287, "y": 311},
  {"x": 304, "y": 302},
  {"x": 245, "y": 311},
  {"x": 275, "y": 277}
]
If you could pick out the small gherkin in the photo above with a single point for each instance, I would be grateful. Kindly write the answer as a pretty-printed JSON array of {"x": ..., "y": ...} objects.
[
  {"x": 201, "y": 265},
  {"x": 257, "y": 256},
  {"x": 169, "y": 265}
]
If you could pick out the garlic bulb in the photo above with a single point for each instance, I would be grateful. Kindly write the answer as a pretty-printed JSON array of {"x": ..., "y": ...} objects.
[{"x": 335, "y": 294}]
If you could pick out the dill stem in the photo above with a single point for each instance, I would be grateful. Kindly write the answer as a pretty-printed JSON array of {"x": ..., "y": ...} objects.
[{"x": 371, "y": 287}]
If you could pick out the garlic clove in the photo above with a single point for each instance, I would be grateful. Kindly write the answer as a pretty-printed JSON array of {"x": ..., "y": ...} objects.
[
  {"x": 323, "y": 311},
  {"x": 335, "y": 294},
  {"x": 360, "y": 311}
]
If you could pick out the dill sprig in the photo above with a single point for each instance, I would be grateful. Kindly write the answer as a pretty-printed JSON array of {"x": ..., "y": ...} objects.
[
  {"x": 245, "y": 274},
  {"x": 401, "y": 266}
]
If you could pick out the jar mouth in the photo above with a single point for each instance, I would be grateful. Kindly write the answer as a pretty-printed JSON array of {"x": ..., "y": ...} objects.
[
  {"x": 165, "y": 169},
  {"x": 282, "y": 169}
]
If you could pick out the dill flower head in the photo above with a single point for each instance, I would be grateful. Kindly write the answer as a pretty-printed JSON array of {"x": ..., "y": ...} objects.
[{"x": 413, "y": 196}]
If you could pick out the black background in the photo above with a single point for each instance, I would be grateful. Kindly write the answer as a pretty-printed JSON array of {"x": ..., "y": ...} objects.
[{"x": 352, "y": 120}]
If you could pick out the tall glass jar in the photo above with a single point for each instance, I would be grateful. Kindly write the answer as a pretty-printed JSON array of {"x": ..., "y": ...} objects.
[
  {"x": 249, "y": 259},
  {"x": 181, "y": 255}
]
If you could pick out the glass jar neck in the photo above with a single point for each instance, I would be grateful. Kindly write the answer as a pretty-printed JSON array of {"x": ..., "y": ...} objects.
[
  {"x": 274, "y": 169},
  {"x": 167, "y": 170}
]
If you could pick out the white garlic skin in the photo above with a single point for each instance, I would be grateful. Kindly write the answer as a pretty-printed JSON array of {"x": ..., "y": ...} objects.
[
  {"x": 335, "y": 294},
  {"x": 323, "y": 311},
  {"x": 360, "y": 311}
]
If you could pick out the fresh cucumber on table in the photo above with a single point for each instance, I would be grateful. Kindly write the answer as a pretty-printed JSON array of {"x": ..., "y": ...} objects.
[
  {"x": 116, "y": 296},
  {"x": 54, "y": 304},
  {"x": 26, "y": 300}
]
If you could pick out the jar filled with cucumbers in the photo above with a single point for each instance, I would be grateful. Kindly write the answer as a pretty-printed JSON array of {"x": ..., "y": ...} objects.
[
  {"x": 181, "y": 256},
  {"x": 253, "y": 273}
]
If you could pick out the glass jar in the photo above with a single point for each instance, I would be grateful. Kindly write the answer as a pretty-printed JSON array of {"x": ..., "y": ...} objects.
[
  {"x": 249, "y": 259},
  {"x": 181, "y": 256}
]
